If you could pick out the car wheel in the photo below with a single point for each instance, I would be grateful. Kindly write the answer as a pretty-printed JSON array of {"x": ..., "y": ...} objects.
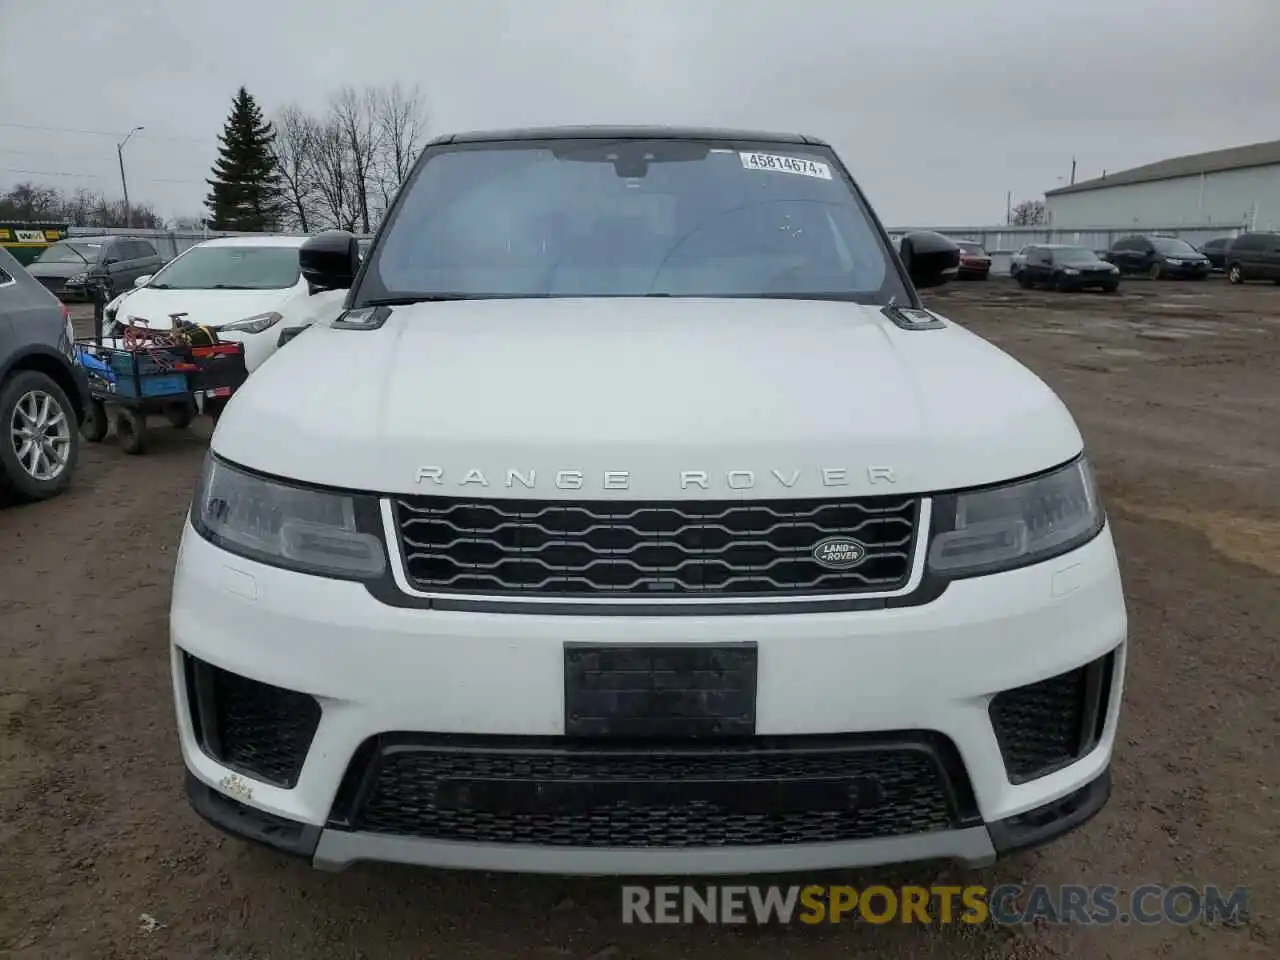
[
  {"x": 1059, "y": 283},
  {"x": 131, "y": 428},
  {"x": 1234, "y": 275},
  {"x": 1022, "y": 280},
  {"x": 1154, "y": 272},
  {"x": 40, "y": 444},
  {"x": 95, "y": 426},
  {"x": 180, "y": 415}
]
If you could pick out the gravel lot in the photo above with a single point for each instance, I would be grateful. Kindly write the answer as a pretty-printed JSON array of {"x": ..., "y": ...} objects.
[{"x": 1177, "y": 388}]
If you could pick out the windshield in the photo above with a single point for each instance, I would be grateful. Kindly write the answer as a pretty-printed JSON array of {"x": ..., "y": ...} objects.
[
  {"x": 65, "y": 252},
  {"x": 1173, "y": 247},
  {"x": 968, "y": 246},
  {"x": 231, "y": 268},
  {"x": 1075, "y": 255},
  {"x": 633, "y": 218}
]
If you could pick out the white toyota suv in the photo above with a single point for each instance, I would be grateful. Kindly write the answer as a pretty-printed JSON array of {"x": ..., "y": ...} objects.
[{"x": 634, "y": 517}]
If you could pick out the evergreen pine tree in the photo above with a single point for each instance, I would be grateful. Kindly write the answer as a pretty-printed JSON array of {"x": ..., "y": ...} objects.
[{"x": 245, "y": 189}]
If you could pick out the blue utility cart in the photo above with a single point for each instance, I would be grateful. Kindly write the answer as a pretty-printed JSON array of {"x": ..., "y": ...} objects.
[{"x": 128, "y": 383}]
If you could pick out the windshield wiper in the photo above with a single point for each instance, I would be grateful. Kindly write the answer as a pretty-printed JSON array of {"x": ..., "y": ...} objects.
[{"x": 231, "y": 286}]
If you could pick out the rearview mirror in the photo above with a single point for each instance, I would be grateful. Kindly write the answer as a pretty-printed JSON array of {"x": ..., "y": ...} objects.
[
  {"x": 142, "y": 280},
  {"x": 330, "y": 260},
  {"x": 930, "y": 258}
]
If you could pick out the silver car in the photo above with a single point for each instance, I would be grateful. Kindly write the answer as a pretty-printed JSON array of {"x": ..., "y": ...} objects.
[{"x": 43, "y": 390}]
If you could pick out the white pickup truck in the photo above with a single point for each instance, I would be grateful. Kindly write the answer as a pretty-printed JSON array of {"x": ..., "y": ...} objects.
[{"x": 634, "y": 516}]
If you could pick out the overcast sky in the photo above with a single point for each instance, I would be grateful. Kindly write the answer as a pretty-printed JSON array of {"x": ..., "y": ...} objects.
[{"x": 937, "y": 106}]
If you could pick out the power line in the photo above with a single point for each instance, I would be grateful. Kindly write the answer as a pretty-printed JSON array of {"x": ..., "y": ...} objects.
[
  {"x": 90, "y": 176},
  {"x": 104, "y": 133}
]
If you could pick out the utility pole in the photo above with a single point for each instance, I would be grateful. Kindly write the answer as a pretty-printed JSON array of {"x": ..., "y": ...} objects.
[
  {"x": 1008, "y": 208},
  {"x": 124, "y": 184},
  {"x": 1073, "y": 170}
]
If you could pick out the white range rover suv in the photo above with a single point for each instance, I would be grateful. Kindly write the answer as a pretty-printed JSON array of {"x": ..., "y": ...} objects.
[{"x": 634, "y": 517}]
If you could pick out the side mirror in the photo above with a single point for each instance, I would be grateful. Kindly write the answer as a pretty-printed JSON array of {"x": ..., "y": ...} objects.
[
  {"x": 930, "y": 258},
  {"x": 108, "y": 261},
  {"x": 330, "y": 260},
  {"x": 142, "y": 280}
]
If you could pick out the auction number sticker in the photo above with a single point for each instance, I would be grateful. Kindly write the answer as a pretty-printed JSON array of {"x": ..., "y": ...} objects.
[{"x": 771, "y": 161}]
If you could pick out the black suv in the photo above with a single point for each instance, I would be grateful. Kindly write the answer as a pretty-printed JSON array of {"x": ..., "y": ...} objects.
[
  {"x": 1158, "y": 257},
  {"x": 43, "y": 391},
  {"x": 1061, "y": 267},
  {"x": 1216, "y": 251},
  {"x": 1254, "y": 256},
  {"x": 69, "y": 268}
]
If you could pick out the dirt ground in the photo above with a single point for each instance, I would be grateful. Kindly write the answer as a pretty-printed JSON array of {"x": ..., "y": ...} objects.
[{"x": 1177, "y": 389}]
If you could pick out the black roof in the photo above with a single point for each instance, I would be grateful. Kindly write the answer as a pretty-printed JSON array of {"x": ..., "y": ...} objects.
[{"x": 603, "y": 132}]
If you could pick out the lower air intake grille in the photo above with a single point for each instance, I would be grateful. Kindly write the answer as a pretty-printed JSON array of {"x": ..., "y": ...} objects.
[
  {"x": 1047, "y": 725},
  {"x": 261, "y": 730},
  {"x": 705, "y": 797},
  {"x": 607, "y": 548}
]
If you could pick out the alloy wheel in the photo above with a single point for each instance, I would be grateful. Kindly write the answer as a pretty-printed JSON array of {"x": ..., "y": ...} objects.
[{"x": 41, "y": 435}]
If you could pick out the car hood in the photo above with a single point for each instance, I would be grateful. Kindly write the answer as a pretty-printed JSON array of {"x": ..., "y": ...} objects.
[
  {"x": 211, "y": 308},
  {"x": 626, "y": 399},
  {"x": 61, "y": 270}
]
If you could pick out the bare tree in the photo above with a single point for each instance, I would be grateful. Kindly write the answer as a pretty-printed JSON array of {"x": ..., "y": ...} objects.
[
  {"x": 331, "y": 170},
  {"x": 29, "y": 201},
  {"x": 84, "y": 208},
  {"x": 294, "y": 147},
  {"x": 353, "y": 114},
  {"x": 1028, "y": 213},
  {"x": 401, "y": 123}
]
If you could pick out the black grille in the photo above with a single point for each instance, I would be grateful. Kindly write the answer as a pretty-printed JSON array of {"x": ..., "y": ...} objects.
[
  {"x": 261, "y": 730},
  {"x": 659, "y": 548},
  {"x": 679, "y": 797},
  {"x": 1044, "y": 726}
]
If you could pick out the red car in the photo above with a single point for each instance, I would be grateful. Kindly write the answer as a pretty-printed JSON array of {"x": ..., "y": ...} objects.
[{"x": 975, "y": 262}]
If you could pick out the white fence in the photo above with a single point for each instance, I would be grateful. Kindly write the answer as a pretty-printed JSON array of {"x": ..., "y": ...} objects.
[{"x": 1001, "y": 241}]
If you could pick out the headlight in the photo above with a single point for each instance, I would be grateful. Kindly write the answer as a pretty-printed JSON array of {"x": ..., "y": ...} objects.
[
  {"x": 1114, "y": 268},
  {"x": 298, "y": 528},
  {"x": 1010, "y": 526},
  {"x": 1071, "y": 271},
  {"x": 1173, "y": 260},
  {"x": 79, "y": 278},
  {"x": 255, "y": 324}
]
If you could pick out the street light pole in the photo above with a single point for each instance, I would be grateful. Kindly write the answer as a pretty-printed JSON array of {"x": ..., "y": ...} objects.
[{"x": 124, "y": 184}]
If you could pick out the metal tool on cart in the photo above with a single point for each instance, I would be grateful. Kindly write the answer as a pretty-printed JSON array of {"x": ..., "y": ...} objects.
[{"x": 179, "y": 373}]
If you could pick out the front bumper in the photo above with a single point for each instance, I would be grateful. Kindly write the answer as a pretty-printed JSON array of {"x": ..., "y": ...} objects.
[
  {"x": 1186, "y": 271},
  {"x": 1098, "y": 281},
  {"x": 258, "y": 347},
  {"x": 481, "y": 697}
]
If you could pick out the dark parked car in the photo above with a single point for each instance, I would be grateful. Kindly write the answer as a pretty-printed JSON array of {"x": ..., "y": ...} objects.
[
  {"x": 1017, "y": 260},
  {"x": 1158, "y": 257},
  {"x": 68, "y": 268},
  {"x": 1216, "y": 251},
  {"x": 43, "y": 391},
  {"x": 1061, "y": 267},
  {"x": 1254, "y": 256},
  {"x": 975, "y": 262}
]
